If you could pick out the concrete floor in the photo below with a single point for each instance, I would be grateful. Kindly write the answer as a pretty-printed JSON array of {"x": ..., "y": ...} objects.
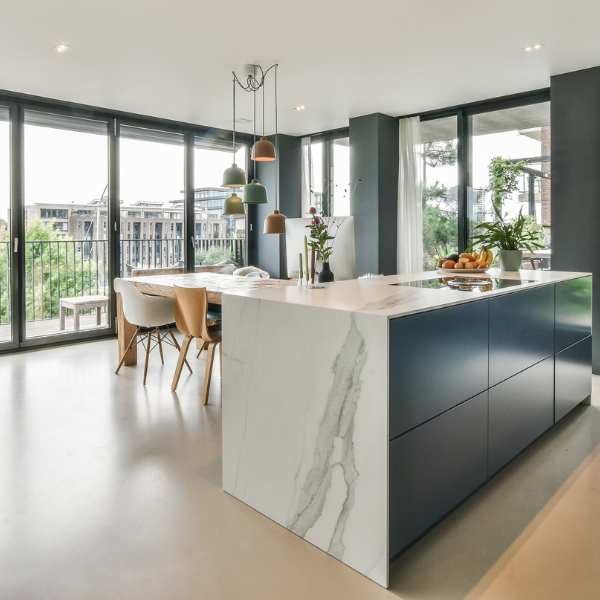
[{"x": 109, "y": 490}]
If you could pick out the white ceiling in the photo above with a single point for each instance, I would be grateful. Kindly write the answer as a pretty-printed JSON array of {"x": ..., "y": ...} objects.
[{"x": 341, "y": 59}]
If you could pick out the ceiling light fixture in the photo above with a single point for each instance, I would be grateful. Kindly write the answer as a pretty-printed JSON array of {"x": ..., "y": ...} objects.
[
  {"x": 254, "y": 192},
  {"x": 300, "y": 107},
  {"x": 534, "y": 47},
  {"x": 234, "y": 176},
  {"x": 275, "y": 223},
  {"x": 61, "y": 48},
  {"x": 263, "y": 150}
]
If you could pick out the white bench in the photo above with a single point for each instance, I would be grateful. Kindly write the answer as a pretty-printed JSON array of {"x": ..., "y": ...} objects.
[{"x": 82, "y": 303}]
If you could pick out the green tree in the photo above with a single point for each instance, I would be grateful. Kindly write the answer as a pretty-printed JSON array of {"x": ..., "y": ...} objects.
[
  {"x": 55, "y": 267},
  {"x": 440, "y": 205}
]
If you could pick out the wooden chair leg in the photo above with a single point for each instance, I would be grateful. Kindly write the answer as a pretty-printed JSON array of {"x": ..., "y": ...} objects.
[
  {"x": 160, "y": 345},
  {"x": 204, "y": 347},
  {"x": 148, "y": 342},
  {"x": 178, "y": 347},
  {"x": 210, "y": 356},
  {"x": 127, "y": 350},
  {"x": 184, "y": 348}
]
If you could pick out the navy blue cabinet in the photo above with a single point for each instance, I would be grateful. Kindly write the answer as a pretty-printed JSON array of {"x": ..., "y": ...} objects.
[
  {"x": 572, "y": 377},
  {"x": 434, "y": 467},
  {"x": 521, "y": 409},
  {"x": 473, "y": 385},
  {"x": 438, "y": 359},
  {"x": 573, "y": 312},
  {"x": 521, "y": 331}
]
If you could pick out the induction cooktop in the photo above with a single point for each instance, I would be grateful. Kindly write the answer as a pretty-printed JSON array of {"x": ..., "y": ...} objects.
[{"x": 477, "y": 285}]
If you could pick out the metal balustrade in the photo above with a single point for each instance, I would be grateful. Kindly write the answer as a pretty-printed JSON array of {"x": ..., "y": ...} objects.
[{"x": 65, "y": 268}]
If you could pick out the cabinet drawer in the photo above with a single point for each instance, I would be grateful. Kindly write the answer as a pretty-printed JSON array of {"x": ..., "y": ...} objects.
[
  {"x": 572, "y": 377},
  {"x": 438, "y": 359},
  {"x": 521, "y": 409},
  {"x": 434, "y": 467},
  {"x": 573, "y": 312},
  {"x": 521, "y": 331}
]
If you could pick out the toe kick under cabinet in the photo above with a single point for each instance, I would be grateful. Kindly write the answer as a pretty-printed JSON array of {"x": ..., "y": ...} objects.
[{"x": 471, "y": 386}]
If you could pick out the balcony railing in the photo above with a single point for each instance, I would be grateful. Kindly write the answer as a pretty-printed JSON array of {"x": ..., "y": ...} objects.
[{"x": 65, "y": 268}]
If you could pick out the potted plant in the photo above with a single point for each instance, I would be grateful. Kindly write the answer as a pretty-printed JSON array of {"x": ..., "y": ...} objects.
[{"x": 510, "y": 237}]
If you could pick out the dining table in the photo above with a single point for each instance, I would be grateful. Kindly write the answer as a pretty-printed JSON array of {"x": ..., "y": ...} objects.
[{"x": 216, "y": 285}]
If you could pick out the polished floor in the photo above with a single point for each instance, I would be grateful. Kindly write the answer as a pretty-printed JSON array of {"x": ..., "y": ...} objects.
[{"x": 112, "y": 490}]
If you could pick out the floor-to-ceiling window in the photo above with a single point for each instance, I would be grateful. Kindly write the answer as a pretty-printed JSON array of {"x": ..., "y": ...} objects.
[
  {"x": 151, "y": 185},
  {"x": 87, "y": 195},
  {"x": 467, "y": 154},
  {"x": 217, "y": 237},
  {"x": 439, "y": 155},
  {"x": 66, "y": 247},
  {"x": 326, "y": 167},
  {"x": 5, "y": 232},
  {"x": 513, "y": 142}
]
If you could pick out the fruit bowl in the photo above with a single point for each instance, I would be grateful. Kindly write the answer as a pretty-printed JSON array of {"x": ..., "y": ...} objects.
[{"x": 459, "y": 272}]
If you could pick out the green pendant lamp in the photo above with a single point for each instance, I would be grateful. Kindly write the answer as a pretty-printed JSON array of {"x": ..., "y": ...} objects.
[
  {"x": 234, "y": 177},
  {"x": 275, "y": 223},
  {"x": 233, "y": 207},
  {"x": 255, "y": 193}
]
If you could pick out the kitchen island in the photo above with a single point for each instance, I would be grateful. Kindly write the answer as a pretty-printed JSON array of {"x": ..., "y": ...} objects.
[{"x": 359, "y": 415}]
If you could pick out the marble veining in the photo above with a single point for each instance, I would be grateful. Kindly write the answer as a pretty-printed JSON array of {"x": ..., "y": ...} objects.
[
  {"x": 334, "y": 446},
  {"x": 305, "y": 424}
]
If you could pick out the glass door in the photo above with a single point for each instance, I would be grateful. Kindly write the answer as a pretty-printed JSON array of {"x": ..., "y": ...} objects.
[
  {"x": 151, "y": 188},
  {"x": 6, "y": 247},
  {"x": 66, "y": 282}
]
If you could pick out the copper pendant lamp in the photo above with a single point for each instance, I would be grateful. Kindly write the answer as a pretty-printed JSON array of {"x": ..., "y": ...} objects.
[
  {"x": 263, "y": 150},
  {"x": 275, "y": 223}
]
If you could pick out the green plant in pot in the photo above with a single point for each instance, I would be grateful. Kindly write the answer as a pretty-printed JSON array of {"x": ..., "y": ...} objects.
[{"x": 509, "y": 237}]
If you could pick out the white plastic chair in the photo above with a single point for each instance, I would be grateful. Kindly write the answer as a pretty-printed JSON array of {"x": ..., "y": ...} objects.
[{"x": 150, "y": 312}]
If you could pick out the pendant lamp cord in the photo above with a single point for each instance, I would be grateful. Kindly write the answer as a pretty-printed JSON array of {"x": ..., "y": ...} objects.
[
  {"x": 254, "y": 112},
  {"x": 263, "y": 107},
  {"x": 276, "y": 147},
  {"x": 234, "y": 117}
]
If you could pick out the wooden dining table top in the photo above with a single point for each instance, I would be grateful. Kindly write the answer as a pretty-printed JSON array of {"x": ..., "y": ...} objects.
[{"x": 216, "y": 284}]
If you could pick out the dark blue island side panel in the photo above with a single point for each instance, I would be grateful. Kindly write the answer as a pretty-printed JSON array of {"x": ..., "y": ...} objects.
[
  {"x": 520, "y": 410},
  {"x": 438, "y": 359},
  {"x": 573, "y": 312},
  {"x": 434, "y": 467},
  {"x": 521, "y": 331},
  {"x": 572, "y": 376}
]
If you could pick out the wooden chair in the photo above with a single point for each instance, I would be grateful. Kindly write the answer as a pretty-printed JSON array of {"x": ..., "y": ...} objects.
[{"x": 191, "y": 308}]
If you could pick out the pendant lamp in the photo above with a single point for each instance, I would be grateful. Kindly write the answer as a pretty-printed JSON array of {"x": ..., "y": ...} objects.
[
  {"x": 275, "y": 223},
  {"x": 254, "y": 192},
  {"x": 234, "y": 176},
  {"x": 233, "y": 207},
  {"x": 263, "y": 150}
]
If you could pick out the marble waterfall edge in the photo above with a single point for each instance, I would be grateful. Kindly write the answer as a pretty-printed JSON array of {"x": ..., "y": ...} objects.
[{"x": 305, "y": 424}]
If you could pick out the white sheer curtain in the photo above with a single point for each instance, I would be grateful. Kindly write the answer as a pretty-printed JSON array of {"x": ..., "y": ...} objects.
[
  {"x": 307, "y": 176},
  {"x": 410, "y": 208}
]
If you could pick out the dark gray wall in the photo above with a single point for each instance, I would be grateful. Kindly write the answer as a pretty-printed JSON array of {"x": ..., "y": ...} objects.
[
  {"x": 268, "y": 251},
  {"x": 575, "y": 119},
  {"x": 374, "y": 205}
]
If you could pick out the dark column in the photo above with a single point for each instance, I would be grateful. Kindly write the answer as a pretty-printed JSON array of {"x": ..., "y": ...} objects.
[
  {"x": 268, "y": 251},
  {"x": 374, "y": 205},
  {"x": 575, "y": 118}
]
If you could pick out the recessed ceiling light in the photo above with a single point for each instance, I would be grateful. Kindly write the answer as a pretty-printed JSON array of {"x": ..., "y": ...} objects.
[
  {"x": 61, "y": 48},
  {"x": 299, "y": 107},
  {"x": 534, "y": 47}
]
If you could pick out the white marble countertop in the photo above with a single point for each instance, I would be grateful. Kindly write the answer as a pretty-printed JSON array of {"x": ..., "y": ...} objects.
[{"x": 375, "y": 295}]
